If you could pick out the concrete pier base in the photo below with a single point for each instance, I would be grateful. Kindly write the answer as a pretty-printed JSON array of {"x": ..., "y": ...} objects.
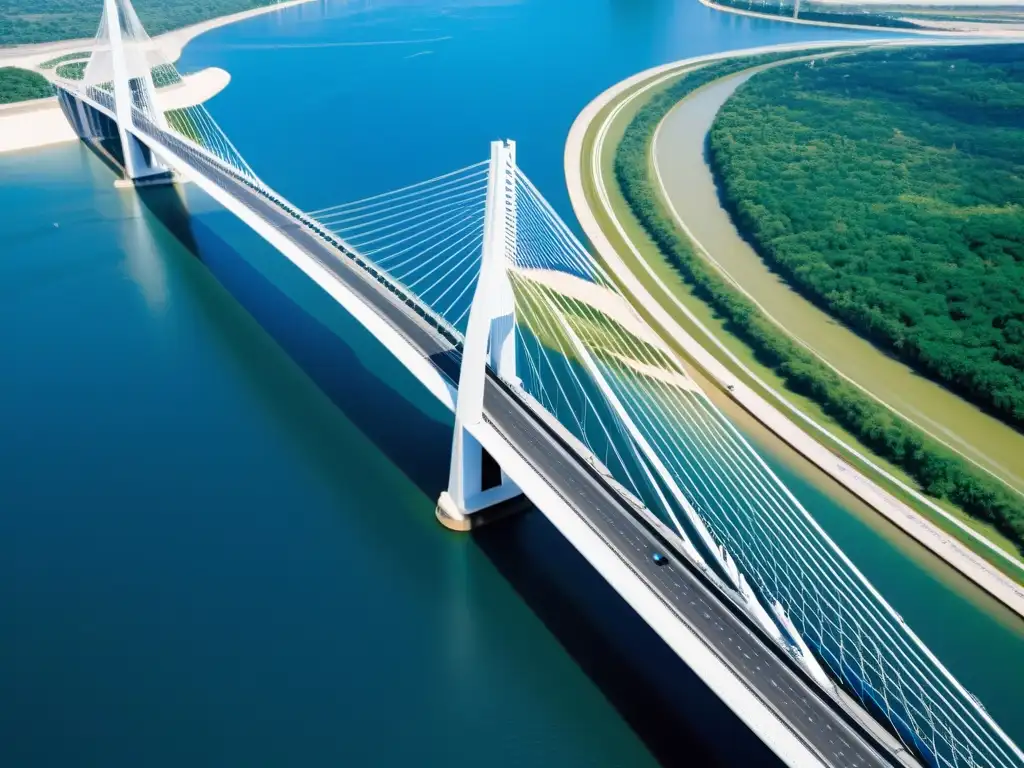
[
  {"x": 148, "y": 181},
  {"x": 454, "y": 519}
]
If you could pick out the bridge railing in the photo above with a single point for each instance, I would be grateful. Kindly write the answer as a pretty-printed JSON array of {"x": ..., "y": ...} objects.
[{"x": 382, "y": 276}]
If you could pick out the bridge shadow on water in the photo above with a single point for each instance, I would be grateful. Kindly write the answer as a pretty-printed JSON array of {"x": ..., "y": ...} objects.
[
  {"x": 108, "y": 152},
  {"x": 679, "y": 719},
  {"x": 376, "y": 408}
]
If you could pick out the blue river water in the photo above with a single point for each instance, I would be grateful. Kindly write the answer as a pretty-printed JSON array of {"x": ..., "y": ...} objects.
[{"x": 217, "y": 544}]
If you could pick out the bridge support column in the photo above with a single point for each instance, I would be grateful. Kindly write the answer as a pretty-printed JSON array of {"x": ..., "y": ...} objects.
[
  {"x": 132, "y": 81},
  {"x": 478, "y": 490},
  {"x": 77, "y": 114}
]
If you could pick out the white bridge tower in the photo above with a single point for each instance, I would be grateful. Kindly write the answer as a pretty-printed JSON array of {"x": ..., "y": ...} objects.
[
  {"x": 123, "y": 59},
  {"x": 478, "y": 490}
]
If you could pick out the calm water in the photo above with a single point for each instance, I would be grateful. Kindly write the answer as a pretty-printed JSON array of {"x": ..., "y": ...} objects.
[{"x": 218, "y": 544}]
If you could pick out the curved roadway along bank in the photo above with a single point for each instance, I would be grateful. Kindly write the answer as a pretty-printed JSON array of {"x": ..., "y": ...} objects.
[{"x": 608, "y": 105}]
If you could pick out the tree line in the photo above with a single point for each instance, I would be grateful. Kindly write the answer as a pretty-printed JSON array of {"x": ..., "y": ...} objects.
[
  {"x": 888, "y": 188},
  {"x": 22, "y": 85},
  {"x": 940, "y": 472},
  {"x": 43, "y": 21}
]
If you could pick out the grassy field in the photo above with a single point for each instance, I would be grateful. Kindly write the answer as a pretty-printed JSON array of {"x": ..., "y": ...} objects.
[{"x": 716, "y": 326}]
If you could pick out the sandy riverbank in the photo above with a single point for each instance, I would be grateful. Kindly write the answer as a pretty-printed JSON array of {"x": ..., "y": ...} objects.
[
  {"x": 173, "y": 43},
  {"x": 41, "y": 122},
  {"x": 599, "y": 298},
  {"x": 782, "y": 424}
]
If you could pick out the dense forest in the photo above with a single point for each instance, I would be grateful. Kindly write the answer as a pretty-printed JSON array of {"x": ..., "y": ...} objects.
[
  {"x": 939, "y": 472},
  {"x": 22, "y": 85},
  {"x": 42, "y": 21},
  {"x": 889, "y": 189}
]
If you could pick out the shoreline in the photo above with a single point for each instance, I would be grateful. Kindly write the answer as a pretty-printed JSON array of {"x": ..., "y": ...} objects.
[
  {"x": 174, "y": 41},
  {"x": 936, "y": 31},
  {"x": 782, "y": 425},
  {"x": 31, "y": 55},
  {"x": 928, "y": 422},
  {"x": 40, "y": 122}
]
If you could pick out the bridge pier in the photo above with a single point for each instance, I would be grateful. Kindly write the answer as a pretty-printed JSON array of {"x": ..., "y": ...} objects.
[
  {"x": 125, "y": 63},
  {"x": 478, "y": 490},
  {"x": 88, "y": 123},
  {"x": 141, "y": 168}
]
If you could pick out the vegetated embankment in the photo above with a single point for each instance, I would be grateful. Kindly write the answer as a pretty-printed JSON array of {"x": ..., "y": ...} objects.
[
  {"x": 889, "y": 189},
  {"x": 940, "y": 473}
]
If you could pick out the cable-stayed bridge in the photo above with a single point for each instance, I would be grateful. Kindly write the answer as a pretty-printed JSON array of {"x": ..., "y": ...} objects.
[{"x": 562, "y": 393}]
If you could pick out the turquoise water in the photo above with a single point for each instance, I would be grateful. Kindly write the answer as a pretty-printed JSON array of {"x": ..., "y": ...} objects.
[{"x": 218, "y": 544}]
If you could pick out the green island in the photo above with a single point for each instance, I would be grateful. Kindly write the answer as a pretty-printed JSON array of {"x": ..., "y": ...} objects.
[
  {"x": 938, "y": 471},
  {"x": 21, "y": 85},
  {"x": 889, "y": 189},
  {"x": 44, "y": 21}
]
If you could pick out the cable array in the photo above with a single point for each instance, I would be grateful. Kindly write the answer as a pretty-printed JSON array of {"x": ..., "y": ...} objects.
[
  {"x": 783, "y": 552},
  {"x": 148, "y": 70},
  {"x": 196, "y": 124},
  {"x": 427, "y": 237}
]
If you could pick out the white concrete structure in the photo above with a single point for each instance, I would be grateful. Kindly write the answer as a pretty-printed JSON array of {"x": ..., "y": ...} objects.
[
  {"x": 127, "y": 63},
  {"x": 490, "y": 340}
]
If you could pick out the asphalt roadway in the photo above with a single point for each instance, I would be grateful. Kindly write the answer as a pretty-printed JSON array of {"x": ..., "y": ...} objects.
[{"x": 721, "y": 623}]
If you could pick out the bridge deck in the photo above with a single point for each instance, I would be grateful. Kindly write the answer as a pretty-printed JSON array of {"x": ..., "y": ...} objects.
[{"x": 824, "y": 726}]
